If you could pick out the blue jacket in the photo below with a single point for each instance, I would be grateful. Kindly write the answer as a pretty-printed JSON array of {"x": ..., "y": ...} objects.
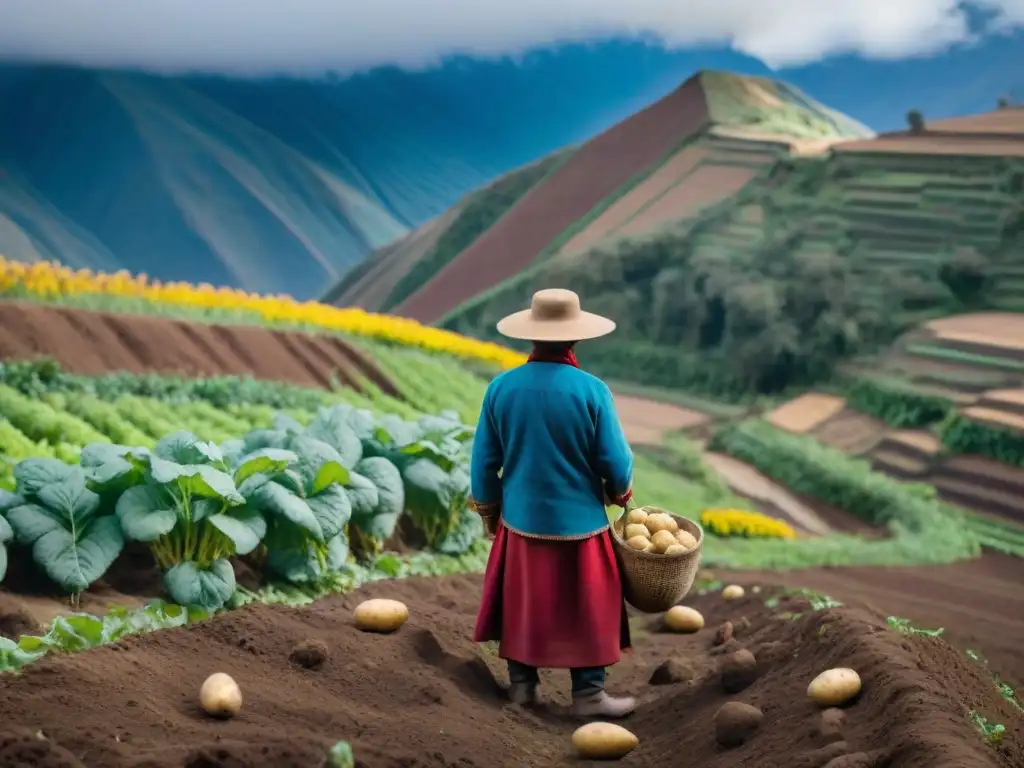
[{"x": 553, "y": 433}]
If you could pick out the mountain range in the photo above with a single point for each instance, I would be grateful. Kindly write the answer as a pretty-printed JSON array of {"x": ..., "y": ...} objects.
[{"x": 284, "y": 185}]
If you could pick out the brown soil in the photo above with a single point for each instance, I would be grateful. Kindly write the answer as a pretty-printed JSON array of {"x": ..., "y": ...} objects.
[
  {"x": 591, "y": 175},
  {"x": 702, "y": 188},
  {"x": 427, "y": 696},
  {"x": 992, "y": 329},
  {"x": 851, "y": 432},
  {"x": 629, "y": 205},
  {"x": 998, "y": 418},
  {"x": 94, "y": 343},
  {"x": 979, "y": 602},
  {"x": 932, "y": 144},
  {"x": 773, "y": 498},
  {"x": 646, "y": 421},
  {"x": 806, "y": 412}
]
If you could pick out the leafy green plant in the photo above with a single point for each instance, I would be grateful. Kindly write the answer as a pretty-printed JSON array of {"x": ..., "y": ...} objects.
[
  {"x": 992, "y": 732},
  {"x": 82, "y": 631},
  {"x": 904, "y": 627},
  {"x": 963, "y": 435},
  {"x": 897, "y": 404},
  {"x": 340, "y": 756},
  {"x": 72, "y": 538},
  {"x": 180, "y": 500},
  {"x": 7, "y": 500},
  {"x": 432, "y": 457}
]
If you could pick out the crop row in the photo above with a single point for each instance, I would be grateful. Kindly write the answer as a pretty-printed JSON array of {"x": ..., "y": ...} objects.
[
  {"x": 901, "y": 406},
  {"x": 296, "y": 498},
  {"x": 122, "y": 292}
]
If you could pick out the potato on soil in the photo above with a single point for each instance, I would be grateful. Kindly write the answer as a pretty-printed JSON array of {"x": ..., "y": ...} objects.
[
  {"x": 662, "y": 540},
  {"x": 381, "y": 615},
  {"x": 641, "y": 543},
  {"x": 636, "y": 516},
  {"x": 604, "y": 741},
  {"x": 659, "y": 521},
  {"x": 686, "y": 538},
  {"x": 682, "y": 618},
  {"x": 220, "y": 695},
  {"x": 834, "y": 687},
  {"x": 732, "y": 592},
  {"x": 636, "y": 529}
]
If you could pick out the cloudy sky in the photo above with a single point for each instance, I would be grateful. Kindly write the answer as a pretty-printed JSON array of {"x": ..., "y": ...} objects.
[{"x": 307, "y": 36}]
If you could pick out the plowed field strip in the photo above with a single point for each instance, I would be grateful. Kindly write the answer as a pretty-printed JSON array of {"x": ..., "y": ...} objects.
[
  {"x": 704, "y": 187},
  {"x": 593, "y": 173},
  {"x": 980, "y": 603},
  {"x": 93, "y": 343},
  {"x": 628, "y": 206}
]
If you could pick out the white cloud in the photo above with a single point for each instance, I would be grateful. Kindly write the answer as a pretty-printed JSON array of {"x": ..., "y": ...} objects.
[{"x": 267, "y": 36}]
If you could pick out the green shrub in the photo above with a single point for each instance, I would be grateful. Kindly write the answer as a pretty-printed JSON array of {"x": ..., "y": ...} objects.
[
  {"x": 897, "y": 404},
  {"x": 963, "y": 435}
]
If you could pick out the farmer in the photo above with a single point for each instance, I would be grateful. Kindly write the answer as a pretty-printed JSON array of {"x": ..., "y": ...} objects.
[{"x": 548, "y": 455}]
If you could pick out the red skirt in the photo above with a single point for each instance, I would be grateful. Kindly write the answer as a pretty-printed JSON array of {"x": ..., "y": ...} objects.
[{"x": 555, "y": 604}]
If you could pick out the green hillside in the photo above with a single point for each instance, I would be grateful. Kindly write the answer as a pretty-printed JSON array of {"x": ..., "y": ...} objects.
[{"x": 817, "y": 259}]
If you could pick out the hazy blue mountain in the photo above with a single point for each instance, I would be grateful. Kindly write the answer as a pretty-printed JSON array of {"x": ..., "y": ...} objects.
[{"x": 282, "y": 185}]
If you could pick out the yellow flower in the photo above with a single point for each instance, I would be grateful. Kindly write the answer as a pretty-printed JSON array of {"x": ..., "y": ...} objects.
[
  {"x": 740, "y": 522},
  {"x": 52, "y": 281}
]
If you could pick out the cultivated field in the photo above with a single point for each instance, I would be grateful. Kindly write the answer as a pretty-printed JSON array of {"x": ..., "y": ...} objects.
[
  {"x": 310, "y": 679},
  {"x": 806, "y": 412}
]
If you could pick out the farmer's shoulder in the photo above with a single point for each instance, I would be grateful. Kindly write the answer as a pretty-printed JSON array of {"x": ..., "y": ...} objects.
[{"x": 563, "y": 378}]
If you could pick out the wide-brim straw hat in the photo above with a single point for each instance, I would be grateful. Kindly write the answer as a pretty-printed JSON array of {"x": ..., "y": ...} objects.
[{"x": 555, "y": 315}]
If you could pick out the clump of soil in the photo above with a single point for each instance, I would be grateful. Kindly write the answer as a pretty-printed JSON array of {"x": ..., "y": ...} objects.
[
  {"x": 15, "y": 620},
  {"x": 723, "y": 634},
  {"x": 309, "y": 654},
  {"x": 735, "y": 722},
  {"x": 739, "y": 671},
  {"x": 132, "y": 705},
  {"x": 678, "y": 669}
]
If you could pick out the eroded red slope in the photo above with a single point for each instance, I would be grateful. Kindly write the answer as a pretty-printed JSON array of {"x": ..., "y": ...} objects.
[{"x": 596, "y": 170}]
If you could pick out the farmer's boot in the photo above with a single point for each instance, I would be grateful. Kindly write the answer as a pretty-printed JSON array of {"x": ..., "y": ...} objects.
[
  {"x": 524, "y": 680},
  {"x": 589, "y": 698}
]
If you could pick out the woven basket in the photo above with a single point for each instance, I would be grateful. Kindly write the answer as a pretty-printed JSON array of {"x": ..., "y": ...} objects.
[{"x": 654, "y": 583}]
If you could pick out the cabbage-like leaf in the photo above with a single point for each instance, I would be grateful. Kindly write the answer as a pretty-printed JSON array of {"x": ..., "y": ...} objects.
[
  {"x": 196, "y": 479},
  {"x": 70, "y": 541},
  {"x": 146, "y": 512},
  {"x": 332, "y": 509},
  {"x": 380, "y": 522},
  {"x": 209, "y": 588},
  {"x": 362, "y": 493},
  {"x": 244, "y": 525},
  {"x": 183, "y": 447},
  {"x": 6, "y": 534},
  {"x": 332, "y": 426},
  {"x": 31, "y": 475},
  {"x": 266, "y": 461}
]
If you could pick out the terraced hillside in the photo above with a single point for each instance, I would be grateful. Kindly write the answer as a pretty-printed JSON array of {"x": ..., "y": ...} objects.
[
  {"x": 834, "y": 249},
  {"x": 944, "y": 407},
  {"x": 688, "y": 151}
]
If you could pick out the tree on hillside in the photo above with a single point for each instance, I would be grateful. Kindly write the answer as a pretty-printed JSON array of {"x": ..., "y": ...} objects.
[
  {"x": 967, "y": 275},
  {"x": 916, "y": 121}
]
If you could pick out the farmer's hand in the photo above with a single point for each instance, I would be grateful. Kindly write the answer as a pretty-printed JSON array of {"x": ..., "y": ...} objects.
[
  {"x": 617, "y": 501},
  {"x": 491, "y": 525}
]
